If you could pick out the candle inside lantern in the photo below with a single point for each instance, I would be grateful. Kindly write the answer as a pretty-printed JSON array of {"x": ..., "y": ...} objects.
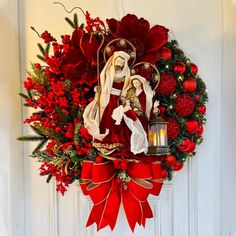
[
  {"x": 155, "y": 139},
  {"x": 150, "y": 137},
  {"x": 162, "y": 137}
]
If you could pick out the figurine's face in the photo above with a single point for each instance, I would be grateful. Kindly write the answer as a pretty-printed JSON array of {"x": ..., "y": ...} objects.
[
  {"x": 119, "y": 63},
  {"x": 136, "y": 83}
]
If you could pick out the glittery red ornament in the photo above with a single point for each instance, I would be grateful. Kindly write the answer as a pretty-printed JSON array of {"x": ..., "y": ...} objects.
[
  {"x": 178, "y": 166},
  {"x": 179, "y": 67},
  {"x": 173, "y": 128},
  {"x": 167, "y": 85},
  {"x": 189, "y": 84},
  {"x": 170, "y": 161},
  {"x": 202, "y": 109},
  {"x": 184, "y": 105},
  {"x": 193, "y": 68},
  {"x": 191, "y": 126},
  {"x": 165, "y": 53},
  {"x": 199, "y": 130}
]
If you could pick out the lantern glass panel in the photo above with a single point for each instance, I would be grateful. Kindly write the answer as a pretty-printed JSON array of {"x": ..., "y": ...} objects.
[
  {"x": 153, "y": 135},
  {"x": 162, "y": 135}
]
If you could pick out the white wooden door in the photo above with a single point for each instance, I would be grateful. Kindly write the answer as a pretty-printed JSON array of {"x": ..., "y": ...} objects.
[{"x": 193, "y": 204}]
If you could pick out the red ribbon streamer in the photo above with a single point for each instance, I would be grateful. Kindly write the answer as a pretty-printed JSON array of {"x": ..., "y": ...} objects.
[{"x": 109, "y": 185}]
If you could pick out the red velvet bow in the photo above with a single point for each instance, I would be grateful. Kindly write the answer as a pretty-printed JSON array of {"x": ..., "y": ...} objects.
[{"x": 109, "y": 185}]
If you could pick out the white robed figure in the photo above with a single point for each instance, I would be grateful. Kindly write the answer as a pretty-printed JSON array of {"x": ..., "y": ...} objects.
[
  {"x": 138, "y": 95},
  {"x": 116, "y": 70}
]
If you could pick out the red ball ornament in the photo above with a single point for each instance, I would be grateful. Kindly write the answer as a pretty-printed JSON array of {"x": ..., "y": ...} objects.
[
  {"x": 187, "y": 146},
  {"x": 197, "y": 97},
  {"x": 165, "y": 53},
  {"x": 164, "y": 174},
  {"x": 167, "y": 85},
  {"x": 178, "y": 166},
  {"x": 193, "y": 68},
  {"x": 191, "y": 126},
  {"x": 170, "y": 161},
  {"x": 192, "y": 147},
  {"x": 202, "y": 109},
  {"x": 184, "y": 105},
  {"x": 199, "y": 130},
  {"x": 99, "y": 159},
  {"x": 189, "y": 84},
  {"x": 179, "y": 67}
]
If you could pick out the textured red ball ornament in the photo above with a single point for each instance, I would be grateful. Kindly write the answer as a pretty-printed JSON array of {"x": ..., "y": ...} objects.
[
  {"x": 165, "y": 53},
  {"x": 170, "y": 161},
  {"x": 189, "y": 84},
  {"x": 178, "y": 166},
  {"x": 184, "y": 105},
  {"x": 173, "y": 128},
  {"x": 179, "y": 67},
  {"x": 167, "y": 85},
  {"x": 191, "y": 126},
  {"x": 199, "y": 130},
  {"x": 193, "y": 68},
  {"x": 202, "y": 109}
]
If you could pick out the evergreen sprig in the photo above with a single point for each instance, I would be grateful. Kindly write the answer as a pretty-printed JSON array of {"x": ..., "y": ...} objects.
[
  {"x": 41, "y": 136},
  {"x": 38, "y": 75},
  {"x": 31, "y": 138},
  {"x": 73, "y": 23},
  {"x": 62, "y": 115}
]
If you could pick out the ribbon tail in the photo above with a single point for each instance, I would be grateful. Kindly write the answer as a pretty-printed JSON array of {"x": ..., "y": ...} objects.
[
  {"x": 111, "y": 209},
  {"x": 133, "y": 209},
  {"x": 147, "y": 212},
  {"x": 95, "y": 214}
]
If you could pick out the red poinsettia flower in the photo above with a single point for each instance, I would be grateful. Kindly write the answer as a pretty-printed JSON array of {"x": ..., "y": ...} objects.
[
  {"x": 146, "y": 40},
  {"x": 86, "y": 43},
  {"x": 80, "y": 66}
]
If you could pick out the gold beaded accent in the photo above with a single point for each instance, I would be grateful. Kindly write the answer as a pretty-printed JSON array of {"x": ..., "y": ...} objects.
[{"x": 134, "y": 101}]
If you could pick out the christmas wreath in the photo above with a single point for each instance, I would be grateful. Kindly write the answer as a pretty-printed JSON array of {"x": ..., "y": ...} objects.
[{"x": 62, "y": 87}]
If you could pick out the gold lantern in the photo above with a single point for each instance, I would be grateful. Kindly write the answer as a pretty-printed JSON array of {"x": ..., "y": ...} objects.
[{"x": 157, "y": 136}]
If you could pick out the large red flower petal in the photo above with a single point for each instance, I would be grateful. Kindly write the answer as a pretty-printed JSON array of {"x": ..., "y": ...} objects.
[
  {"x": 151, "y": 58},
  {"x": 89, "y": 45},
  {"x": 139, "y": 29},
  {"x": 89, "y": 78},
  {"x": 74, "y": 72},
  {"x": 76, "y": 36},
  {"x": 74, "y": 56},
  {"x": 113, "y": 26},
  {"x": 126, "y": 25},
  {"x": 156, "y": 37}
]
